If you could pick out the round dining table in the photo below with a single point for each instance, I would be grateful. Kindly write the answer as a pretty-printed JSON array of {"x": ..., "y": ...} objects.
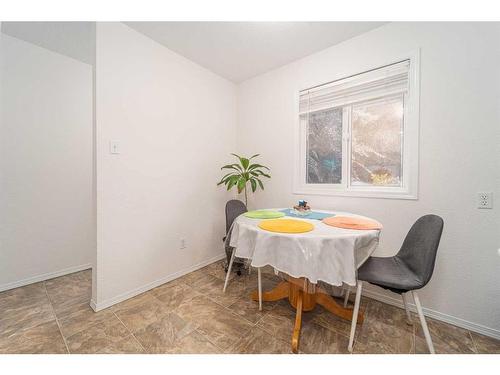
[{"x": 324, "y": 254}]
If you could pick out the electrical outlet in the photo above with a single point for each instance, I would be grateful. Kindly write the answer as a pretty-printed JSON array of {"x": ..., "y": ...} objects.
[
  {"x": 183, "y": 244},
  {"x": 485, "y": 200}
]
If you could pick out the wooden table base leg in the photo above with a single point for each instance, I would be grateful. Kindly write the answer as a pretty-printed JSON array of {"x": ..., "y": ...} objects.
[
  {"x": 298, "y": 323},
  {"x": 304, "y": 302},
  {"x": 281, "y": 291},
  {"x": 331, "y": 305}
]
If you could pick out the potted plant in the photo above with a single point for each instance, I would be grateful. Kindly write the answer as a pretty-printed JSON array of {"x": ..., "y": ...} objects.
[{"x": 242, "y": 173}]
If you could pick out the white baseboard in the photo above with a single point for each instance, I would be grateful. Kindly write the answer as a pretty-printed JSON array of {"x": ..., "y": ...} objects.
[
  {"x": 132, "y": 293},
  {"x": 396, "y": 301},
  {"x": 43, "y": 277}
]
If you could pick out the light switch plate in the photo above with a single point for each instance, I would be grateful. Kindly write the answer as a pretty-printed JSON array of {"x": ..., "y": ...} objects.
[
  {"x": 183, "y": 244},
  {"x": 485, "y": 199},
  {"x": 114, "y": 147}
]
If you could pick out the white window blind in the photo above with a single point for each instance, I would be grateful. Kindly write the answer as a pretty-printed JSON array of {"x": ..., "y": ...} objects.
[{"x": 381, "y": 82}]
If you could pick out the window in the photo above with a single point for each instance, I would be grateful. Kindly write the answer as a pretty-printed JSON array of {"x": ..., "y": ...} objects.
[
  {"x": 324, "y": 147},
  {"x": 359, "y": 135}
]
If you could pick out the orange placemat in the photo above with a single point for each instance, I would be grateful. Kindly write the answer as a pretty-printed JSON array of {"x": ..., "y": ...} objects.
[
  {"x": 286, "y": 226},
  {"x": 347, "y": 222}
]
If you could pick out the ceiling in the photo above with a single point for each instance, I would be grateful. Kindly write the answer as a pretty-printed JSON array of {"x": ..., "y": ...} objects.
[
  {"x": 241, "y": 50},
  {"x": 234, "y": 50},
  {"x": 73, "y": 39}
]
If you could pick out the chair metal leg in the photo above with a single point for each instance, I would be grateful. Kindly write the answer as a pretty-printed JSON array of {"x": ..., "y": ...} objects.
[
  {"x": 427, "y": 334},
  {"x": 355, "y": 315},
  {"x": 346, "y": 297},
  {"x": 229, "y": 270},
  {"x": 408, "y": 314},
  {"x": 259, "y": 277}
]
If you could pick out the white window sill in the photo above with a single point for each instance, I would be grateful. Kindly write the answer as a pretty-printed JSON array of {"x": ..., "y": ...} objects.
[{"x": 357, "y": 193}]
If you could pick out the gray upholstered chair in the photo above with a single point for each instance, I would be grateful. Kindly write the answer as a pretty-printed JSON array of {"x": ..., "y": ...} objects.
[
  {"x": 235, "y": 208},
  {"x": 410, "y": 269}
]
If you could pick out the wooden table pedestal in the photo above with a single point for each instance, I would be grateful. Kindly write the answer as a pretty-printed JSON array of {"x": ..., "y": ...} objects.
[{"x": 302, "y": 300}]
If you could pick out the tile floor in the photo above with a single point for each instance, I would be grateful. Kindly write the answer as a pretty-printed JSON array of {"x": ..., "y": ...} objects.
[{"x": 192, "y": 315}]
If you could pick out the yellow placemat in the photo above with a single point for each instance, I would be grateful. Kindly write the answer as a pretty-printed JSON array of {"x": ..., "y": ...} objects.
[{"x": 286, "y": 226}]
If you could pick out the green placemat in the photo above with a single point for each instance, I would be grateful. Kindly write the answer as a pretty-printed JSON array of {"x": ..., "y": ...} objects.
[{"x": 264, "y": 214}]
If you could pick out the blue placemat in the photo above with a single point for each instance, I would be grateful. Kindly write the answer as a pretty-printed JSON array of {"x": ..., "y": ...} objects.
[{"x": 311, "y": 215}]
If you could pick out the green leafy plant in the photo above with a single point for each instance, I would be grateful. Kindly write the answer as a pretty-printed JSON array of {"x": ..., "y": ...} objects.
[{"x": 242, "y": 173}]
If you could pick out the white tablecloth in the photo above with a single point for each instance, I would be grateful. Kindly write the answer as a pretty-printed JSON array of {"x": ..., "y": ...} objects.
[{"x": 326, "y": 253}]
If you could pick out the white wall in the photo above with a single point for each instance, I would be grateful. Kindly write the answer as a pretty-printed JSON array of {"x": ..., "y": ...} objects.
[
  {"x": 459, "y": 152},
  {"x": 46, "y": 225},
  {"x": 176, "y": 125}
]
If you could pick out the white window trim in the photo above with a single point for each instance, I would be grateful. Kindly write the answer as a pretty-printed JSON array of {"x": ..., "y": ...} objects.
[{"x": 409, "y": 190}]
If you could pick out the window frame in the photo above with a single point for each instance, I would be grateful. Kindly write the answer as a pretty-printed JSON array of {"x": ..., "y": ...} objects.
[{"x": 409, "y": 188}]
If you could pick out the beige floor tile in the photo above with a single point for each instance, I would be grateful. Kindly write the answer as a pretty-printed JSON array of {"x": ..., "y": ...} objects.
[
  {"x": 258, "y": 341},
  {"x": 220, "y": 326},
  {"x": 139, "y": 314},
  {"x": 139, "y": 299},
  {"x": 445, "y": 337},
  {"x": 109, "y": 336},
  {"x": 171, "y": 297},
  {"x": 44, "y": 338},
  {"x": 164, "y": 334},
  {"x": 69, "y": 309},
  {"x": 166, "y": 286},
  {"x": 217, "y": 269},
  {"x": 240, "y": 286},
  {"x": 269, "y": 281},
  {"x": 385, "y": 329},
  {"x": 26, "y": 296},
  {"x": 388, "y": 336},
  {"x": 485, "y": 344},
  {"x": 128, "y": 345},
  {"x": 389, "y": 315},
  {"x": 210, "y": 281},
  {"x": 333, "y": 322},
  {"x": 192, "y": 315},
  {"x": 83, "y": 318},
  {"x": 224, "y": 329},
  {"x": 194, "y": 278},
  {"x": 20, "y": 317},
  {"x": 70, "y": 306},
  {"x": 198, "y": 309},
  {"x": 66, "y": 291},
  {"x": 352, "y": 296},
  {"x": 280, "y": 321},
  {"x": 194, "y": 343},
  {"x": 86, "y": 275},
  {"x": 315, "y": 338},
  {"x": 372, "y": 347},
  {"x": 249, "y": 309},
  {"x": 213, "y": 289},
  {"x": 78, "y": 282}
]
